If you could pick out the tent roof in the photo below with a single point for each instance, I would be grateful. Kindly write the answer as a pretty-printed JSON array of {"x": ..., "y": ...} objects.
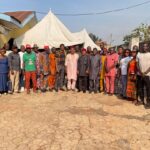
[
  {"x": 49, "y": 31},
  {"x": 84, "y": 36}
]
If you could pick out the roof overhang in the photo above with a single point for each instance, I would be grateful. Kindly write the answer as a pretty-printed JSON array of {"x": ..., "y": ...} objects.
[{"x": 12, "y": 23}]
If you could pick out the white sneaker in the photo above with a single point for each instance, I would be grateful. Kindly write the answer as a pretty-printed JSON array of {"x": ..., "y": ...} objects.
[{"x": 22, "y": 89}]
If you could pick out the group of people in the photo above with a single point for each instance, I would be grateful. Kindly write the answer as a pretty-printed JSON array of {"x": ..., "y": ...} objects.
[{"x": 121, "y": 72}]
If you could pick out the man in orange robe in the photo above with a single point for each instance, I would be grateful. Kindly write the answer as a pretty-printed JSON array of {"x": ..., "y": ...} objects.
[{"x": 52, "y": 67}]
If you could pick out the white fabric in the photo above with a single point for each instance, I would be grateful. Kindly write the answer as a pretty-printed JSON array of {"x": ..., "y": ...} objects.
[
  {"x": 8, "y": 52},
  {"x": 84, "y": 36},
  {"x": 49, "y": 31},
  {"x": 144, "y": 61},
  {"x": 21, "y": 59},
  {"x": 71, "y": 63},
  {"x": 124, "y": 65}
]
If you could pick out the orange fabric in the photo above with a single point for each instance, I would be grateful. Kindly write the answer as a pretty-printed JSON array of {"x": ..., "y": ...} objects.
[{"x": 52, "y": 68}]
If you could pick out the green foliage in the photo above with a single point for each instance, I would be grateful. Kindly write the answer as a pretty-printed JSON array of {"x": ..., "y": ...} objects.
[
  {"x": 143, "y": 32},
  {"x": 94, "y": 37}
]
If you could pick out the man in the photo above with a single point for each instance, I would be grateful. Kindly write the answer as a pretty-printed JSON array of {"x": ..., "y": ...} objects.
[
  {"x": 94, "y": 71},
  {"x": 110, "y": 67},
  {"x": 37, "y": 54},
  {"x": 143, "y": 60},
  {"x": 83, "y": 70},
  {"x": 29, "y": 59},
  {"x": 52, "y": 68},
  {"x": 71, "y": 64},
  {"x": 21, "y": 53},
  {"x": 14, "y": 66},
  {"x": 60, "y": 65},
  {"x": 44, "y": 68}
]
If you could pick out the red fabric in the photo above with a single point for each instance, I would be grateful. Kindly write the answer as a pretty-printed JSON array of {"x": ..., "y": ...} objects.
[{"x": 30, "y": 75}]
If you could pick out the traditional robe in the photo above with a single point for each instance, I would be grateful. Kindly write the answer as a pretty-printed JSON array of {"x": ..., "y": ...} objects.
[
  {"x": 71, "y": 63},
  {"x": 94, "y": 67},
  {"x": 52, "y": 68}
]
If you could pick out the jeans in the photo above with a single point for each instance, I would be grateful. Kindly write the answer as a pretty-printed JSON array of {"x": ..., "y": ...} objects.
[{"x": 124, "y": 84}]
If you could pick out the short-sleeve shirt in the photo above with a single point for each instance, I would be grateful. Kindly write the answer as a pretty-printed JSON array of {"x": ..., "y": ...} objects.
[
  {"x": 29, "y": 61},
  {"x": 144, "y": 61},
  {"x": 124, "y": 65}
]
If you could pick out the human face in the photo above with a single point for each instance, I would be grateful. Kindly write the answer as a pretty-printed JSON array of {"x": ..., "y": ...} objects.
[
  {"x": 112, "y": 51},
  {"x": 22, "y": 48},
  {"x": 72, "y": 50},
  {"x": 120, "y": 51},
  {"x": 35, "y": 49},
  {"x": 83, "y": 52},
  {"x": 62, "y": 48},
  {"x": 28, "y": 50},
  {"x": 145, "y": 48},
  {"x": 127, "y": 53},
  {"x": 134, "y": 53},
  {"x": 94, "y": 51},
  {"x": 2, "y": 52},
  {"x": 15, "y": 50}
]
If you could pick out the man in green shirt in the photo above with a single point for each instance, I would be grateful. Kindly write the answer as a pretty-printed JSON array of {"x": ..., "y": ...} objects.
[{"x": 29, "y": 59}]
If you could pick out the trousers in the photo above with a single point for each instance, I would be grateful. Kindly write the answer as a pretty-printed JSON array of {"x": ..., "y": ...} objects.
[
  {"x": 142, "y": 84},
  {"x": 110, "y": 81},
  {"x": 30, "y": 75},
  {"x": 15, "y": 80},
  {"x": 82, "y": 83}
]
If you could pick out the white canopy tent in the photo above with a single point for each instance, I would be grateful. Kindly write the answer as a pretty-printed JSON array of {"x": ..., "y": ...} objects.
[
  {"x": 84, "y": 36},
  {"x": 49, "y": 31}
]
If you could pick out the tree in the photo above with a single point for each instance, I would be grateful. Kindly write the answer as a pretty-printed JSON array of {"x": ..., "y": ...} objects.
[
  {"x": 143, "y": 32},
  {"x": 94, "y": 37}
]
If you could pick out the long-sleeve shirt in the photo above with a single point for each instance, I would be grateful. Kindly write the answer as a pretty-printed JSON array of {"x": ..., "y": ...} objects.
[{"x": 14, "y": 61}]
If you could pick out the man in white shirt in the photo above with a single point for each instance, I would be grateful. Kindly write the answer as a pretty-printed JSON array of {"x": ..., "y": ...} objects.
[
  {"x": 22, "y": 51},
  {"x": 143, "y": 59}
]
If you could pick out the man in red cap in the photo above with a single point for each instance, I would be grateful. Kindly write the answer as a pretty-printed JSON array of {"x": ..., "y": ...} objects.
[
  {"x": 83, "y": 70},
  {"x": 44, "y": 68},
  {"x": 29, "y": 60}
]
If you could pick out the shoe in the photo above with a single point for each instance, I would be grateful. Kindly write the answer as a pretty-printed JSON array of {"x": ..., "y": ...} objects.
[
  {"x": 43, "y": 90},
  {"x": 62, "y": 89},
  {"x": 79, "y": 91},
  {"x": 28, "y": 92},
  {"x": 84, "y": 91},
  {"x": 56, "y": 90},
  {"x": 95, "y": 92},
  {"x": 22, "y": 89},
  {"x": 90, "y": 92},
  {"x": 10, "y": 92},
  {"x": 147, "y": 106}
]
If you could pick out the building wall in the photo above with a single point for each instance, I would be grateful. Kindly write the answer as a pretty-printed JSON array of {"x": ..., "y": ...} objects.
[{"x": 17, "y": 32}]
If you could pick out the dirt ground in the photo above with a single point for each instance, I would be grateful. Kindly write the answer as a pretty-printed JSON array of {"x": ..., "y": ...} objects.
[{"x": 72, "y": 121}]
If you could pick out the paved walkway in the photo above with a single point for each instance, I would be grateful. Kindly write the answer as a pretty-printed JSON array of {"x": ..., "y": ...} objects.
[{"x": 72, "y": 121}]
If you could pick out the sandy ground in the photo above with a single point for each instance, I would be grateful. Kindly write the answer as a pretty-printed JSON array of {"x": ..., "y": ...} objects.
[{"x": 72, "y": 121}]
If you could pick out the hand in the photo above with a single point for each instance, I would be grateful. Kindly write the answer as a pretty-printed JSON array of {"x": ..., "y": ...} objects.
[
  {"x": 87, "y": 72},
  {"x": 12, "y": 72}
]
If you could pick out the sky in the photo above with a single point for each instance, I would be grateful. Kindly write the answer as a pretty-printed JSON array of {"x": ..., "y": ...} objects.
[{"x": 117, "y": 24}]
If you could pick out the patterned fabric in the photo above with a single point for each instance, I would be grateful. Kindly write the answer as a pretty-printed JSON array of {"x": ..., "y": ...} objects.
[
  {"x": 131, "y": 83},
  {"x": 38, "y": 70},
  {"x": 52, "y": 68}
]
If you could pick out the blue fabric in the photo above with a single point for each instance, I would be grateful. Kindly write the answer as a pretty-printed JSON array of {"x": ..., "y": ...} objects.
[
  {"x": 4, "y": 65},
  {"x": 3, "y": 82},
  {"x": 124, "y": 84}
]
